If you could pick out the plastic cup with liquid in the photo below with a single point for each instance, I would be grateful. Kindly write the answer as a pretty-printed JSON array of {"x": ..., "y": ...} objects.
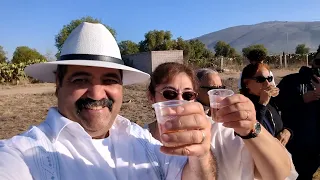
[{"x": 215, "y": 97}]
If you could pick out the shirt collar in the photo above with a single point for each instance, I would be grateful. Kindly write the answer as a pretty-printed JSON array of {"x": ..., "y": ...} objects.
[{"x": 57, "y": 123}]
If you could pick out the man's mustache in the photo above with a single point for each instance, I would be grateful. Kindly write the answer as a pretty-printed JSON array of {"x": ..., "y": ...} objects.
[{"x": 90, "y": 103}]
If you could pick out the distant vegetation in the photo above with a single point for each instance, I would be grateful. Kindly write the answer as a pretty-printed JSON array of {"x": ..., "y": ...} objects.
[
  {"x": 13, "y": 72},
  {"x": 194, "y": 51}
]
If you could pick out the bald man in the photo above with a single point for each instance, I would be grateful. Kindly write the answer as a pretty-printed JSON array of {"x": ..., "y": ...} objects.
[{"x": 208, "y": 79}]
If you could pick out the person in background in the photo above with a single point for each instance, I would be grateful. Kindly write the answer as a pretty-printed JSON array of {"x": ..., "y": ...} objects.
[
  {"x": 256, "y": 56},
  {"x": 299, "y": 103},
  {"x": 171, "y": 81},
  {"x": 237, "y": 157},
  {"x": 256, "y": 82},
  {"x": 208, "y": 79}
]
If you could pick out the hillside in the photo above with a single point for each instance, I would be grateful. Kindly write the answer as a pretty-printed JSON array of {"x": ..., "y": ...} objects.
[{"x": 272, "y": 34}]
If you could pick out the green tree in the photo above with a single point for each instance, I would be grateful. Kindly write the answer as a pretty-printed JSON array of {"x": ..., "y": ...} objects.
[
  {"x": 67, "y": 29},
  {"x": 223, "y": 49},
  {"x": 128, "y": 47},
  {"x": 156, "y": 40},
  {"x": 197, "y": 49},
  {"x": 301, "y": 49},
  {"x": 180, "y": 44},
  {"x": 3, "y": 57},
  {"x": 246, "y": 50},
  {"x": 25, "y": 54}
]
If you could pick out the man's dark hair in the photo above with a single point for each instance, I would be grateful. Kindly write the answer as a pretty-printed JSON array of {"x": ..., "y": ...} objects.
[
  {"x": 257, "y": 55},
  {"x": 60, "y": 73}
]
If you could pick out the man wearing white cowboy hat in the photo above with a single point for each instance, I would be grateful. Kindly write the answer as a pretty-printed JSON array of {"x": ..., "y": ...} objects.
[{"x": 85, "y": 138}]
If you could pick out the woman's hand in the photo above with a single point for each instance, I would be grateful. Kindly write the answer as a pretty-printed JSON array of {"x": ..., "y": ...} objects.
[
  {"x": 267, "y": 93},
  {"x": 265, "y": 96}
]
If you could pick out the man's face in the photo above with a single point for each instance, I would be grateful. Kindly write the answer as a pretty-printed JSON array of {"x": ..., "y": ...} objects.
[
  {"x": 91, "y": 96},
  {"x": 210, "y": 80}
]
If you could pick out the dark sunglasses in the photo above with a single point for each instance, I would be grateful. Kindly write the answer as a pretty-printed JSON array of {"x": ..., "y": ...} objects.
[
  {"x": 212, "y": 87},
  {"x": 171, "y": 94},
  {"x": 261, "y": 79}
]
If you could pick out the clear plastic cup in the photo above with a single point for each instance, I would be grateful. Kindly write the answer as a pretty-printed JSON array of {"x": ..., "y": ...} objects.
[
  {"x": 215, "y": 97},
  {"x": 165, "y": 111}
]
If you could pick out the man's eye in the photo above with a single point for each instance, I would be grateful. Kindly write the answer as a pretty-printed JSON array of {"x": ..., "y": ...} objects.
[
  {"x": 79, "y": 81},
  {"x": 110, "y": 81}
]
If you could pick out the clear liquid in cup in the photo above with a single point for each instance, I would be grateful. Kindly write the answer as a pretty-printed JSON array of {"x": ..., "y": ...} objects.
[
  {"x": 214, "y": 108},
  {"x": 215, "y": 97},
  {"x": 165, "y": 111}
]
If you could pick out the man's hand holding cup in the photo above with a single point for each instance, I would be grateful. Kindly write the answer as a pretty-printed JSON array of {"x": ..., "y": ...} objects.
[{"x": 237, "y": 112}]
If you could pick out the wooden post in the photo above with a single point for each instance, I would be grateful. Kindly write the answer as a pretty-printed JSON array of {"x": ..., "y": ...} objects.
[
  {"x": 221, "y": 63},
  {"x": 285, "y": 61},
  {"x": 307, "y": 58},
  {"x": 280, "y": 61}
]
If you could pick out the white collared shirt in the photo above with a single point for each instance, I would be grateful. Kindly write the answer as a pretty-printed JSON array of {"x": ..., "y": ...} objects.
[{"x": 61, "y": 149}]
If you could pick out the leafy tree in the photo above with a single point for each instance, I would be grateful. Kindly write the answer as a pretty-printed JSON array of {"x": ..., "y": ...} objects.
[
  {"x": 25, "y": 54},
  {"x": 261, "y": 47},
  {"x": 223, "y": 49},
  {"x": 3, "y": 57},
  {"x": 156, "y": 41},
  {"x": 197, "y": 49},
  {"x": 128, "y": 47},
  {"x": 180, "y": 44},
  {"x": 67, "y": 29},
  {"x": 301, "y": 49}
]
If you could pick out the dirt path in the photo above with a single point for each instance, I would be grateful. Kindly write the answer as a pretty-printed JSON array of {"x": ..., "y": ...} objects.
[{"x": 30, "y": 89}]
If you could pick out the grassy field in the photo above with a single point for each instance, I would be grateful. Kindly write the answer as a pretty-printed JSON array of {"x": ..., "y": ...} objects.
[{"x": 20, "y": 108}]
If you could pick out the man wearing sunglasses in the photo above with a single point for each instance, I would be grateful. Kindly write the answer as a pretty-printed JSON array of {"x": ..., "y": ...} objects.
[
  {"x": 299, "y": 103},
  {"x": 208, "y": 79}
]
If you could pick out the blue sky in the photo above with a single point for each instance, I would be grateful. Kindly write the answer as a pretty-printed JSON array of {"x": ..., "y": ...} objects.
[{"x": 35, "y": 23}]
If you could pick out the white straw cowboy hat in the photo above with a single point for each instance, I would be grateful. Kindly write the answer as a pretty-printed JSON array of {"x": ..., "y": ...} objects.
[{"x": 88, "y": 45}]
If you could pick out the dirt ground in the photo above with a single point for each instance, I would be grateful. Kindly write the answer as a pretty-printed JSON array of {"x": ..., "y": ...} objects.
[{"x": 22, "y": 106}]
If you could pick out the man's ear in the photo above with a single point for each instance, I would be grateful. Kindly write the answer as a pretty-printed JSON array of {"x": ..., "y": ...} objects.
[
  {"x": 57, "y": 86},
  {"x": 151, "y": 98}
]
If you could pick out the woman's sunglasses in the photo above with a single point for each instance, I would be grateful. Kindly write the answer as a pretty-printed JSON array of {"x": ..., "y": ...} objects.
[
  {"x": 262, "y": 79},
  {"x": 212, "y": 87},
  {"x": 171, "y": 94}
]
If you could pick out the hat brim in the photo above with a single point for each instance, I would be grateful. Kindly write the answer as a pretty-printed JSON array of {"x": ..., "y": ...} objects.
[{"x": 46, "y": 71}]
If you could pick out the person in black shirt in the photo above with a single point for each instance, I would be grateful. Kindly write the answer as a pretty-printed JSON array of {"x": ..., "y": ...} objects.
[
  {"x": 299, "y": 103},
  {"x": 256, "y": 82}
]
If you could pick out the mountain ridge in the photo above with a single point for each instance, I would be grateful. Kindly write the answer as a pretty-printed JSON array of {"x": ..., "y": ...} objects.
[{"x": 276, "y": 36}]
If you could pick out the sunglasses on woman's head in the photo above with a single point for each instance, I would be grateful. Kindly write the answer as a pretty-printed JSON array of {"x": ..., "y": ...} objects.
[
  {"x": 262, "y": 79},
  {"x": 171, "y": 94},
  {"x": 212, "y": 87}
]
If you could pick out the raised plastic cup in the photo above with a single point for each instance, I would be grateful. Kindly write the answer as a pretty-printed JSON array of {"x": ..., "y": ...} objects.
[
  {"x": 165, "y": 111},
  {"x": 215, "y": 97}
]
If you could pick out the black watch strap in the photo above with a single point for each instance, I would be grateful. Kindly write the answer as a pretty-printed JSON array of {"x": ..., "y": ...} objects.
[{"x": 253, "y": 133}]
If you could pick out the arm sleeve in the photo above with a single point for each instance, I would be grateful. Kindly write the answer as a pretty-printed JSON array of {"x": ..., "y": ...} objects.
[
  {"x": 12, "y": 166},
  {"x": 172, "y": 166},
  {"x": 293, "y": 173},
  {"x": 260, "y": 111}
]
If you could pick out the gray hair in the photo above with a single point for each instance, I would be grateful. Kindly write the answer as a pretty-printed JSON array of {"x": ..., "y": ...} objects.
[{"x": 204, "y": 72}]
